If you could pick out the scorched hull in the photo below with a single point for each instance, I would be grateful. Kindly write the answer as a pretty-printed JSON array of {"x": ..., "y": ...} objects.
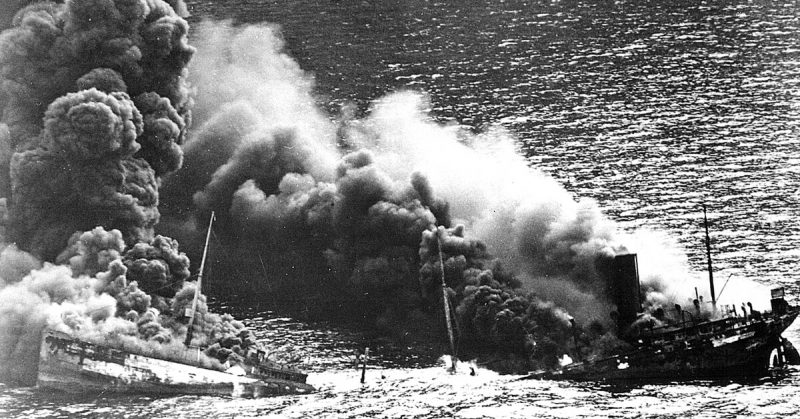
[
  {"x": 745, "y": 352},
  {"x": 77, "y": 366}
]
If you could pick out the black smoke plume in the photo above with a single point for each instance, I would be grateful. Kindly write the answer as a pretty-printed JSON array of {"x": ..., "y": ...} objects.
[
  {"x": 94, "y": 109},
  {"x": 334, "y": 215},
  {"x": 109, "y": 80}
]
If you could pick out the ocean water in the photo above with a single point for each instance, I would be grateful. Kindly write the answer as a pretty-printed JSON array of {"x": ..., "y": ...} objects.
[
  {"x": 651, "y": 108},
  {"x": 412, "y": 383}
]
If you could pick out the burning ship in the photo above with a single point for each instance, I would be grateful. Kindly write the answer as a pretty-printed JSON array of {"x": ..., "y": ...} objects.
[
  {"x": 731, "y": 344},
  {"x": 76, "y": 365},
  {"x": 726, "y": 345}
]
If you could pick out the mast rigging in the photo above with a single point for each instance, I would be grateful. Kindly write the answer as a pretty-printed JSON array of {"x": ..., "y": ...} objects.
[
  {"x": 446, "y": 305},
  {"x": 198, "y": 285}
]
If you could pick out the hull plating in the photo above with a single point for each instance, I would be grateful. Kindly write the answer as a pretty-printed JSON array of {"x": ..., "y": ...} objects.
[
  {"x": 76, "y": 366},
  {"x": 735, "y": 349}
]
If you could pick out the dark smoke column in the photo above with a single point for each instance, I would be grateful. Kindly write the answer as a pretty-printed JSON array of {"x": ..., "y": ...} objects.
[
  {"x": 494, "y": 314},
  {"x": 109, "y": 80}
]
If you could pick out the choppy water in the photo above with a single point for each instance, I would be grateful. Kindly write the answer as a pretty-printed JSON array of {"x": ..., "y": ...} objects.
[
  {"x": 649, "y": 107},
  {"x": 410, "y": 382}
]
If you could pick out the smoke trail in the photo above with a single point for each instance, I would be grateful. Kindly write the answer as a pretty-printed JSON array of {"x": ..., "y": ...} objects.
[
  {"x": 327, "y": 212},
  {"x": 287, "y": 191},
  {"x": 320, "y": 212},
  {"x": 351, "y": 228}
]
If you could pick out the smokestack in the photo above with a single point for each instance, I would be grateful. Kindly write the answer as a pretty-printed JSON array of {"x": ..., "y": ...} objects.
[{"x": 625, "y": 288}]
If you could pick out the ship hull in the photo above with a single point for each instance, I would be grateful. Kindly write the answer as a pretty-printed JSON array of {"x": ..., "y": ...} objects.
[
  {"x": 76, "y": 366},
  {"x": 745, "y": 358},
  {"x": 745, "y": 353}
]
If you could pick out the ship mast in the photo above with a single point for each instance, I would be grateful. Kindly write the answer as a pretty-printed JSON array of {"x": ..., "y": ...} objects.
[
  {"x": 708, "y": 254},
  {"x": 198, "y": 284},
  {"x": 446, "y": 305}
]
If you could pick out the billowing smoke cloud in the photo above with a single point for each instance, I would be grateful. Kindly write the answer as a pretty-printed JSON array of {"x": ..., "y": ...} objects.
[
  {"x": 343, "y": 211},
  {"x": 95, "y": 106},
  {"x": 158, "y": 266},
  {"x": 85, "y": 168},
  {"x": 322, "y": 209},
  {"x": 336, "y": 210},
  {"x": 93, "y": 295},
  {"x": 253, "y": 112},
  {"x": 135, "y": 52}
]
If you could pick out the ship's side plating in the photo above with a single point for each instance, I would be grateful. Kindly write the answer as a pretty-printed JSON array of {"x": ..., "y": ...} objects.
[
  {"x": 77, "y": 366},
  {"x": 732, "y": 346},
  {"x": 725, "y": 348}
]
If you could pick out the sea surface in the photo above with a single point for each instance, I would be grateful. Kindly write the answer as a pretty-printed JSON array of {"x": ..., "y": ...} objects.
[{"x": 651, "y": 108}]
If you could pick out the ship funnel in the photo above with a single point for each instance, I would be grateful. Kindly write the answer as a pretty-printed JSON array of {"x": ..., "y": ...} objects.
[{"x": 625, "y": 288}]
